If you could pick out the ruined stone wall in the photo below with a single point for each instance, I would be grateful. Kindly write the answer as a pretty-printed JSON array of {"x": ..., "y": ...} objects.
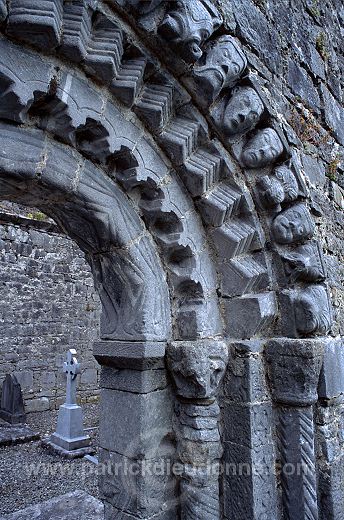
[
  {"x": 297, "y": 46},
  {"x": 48, "y": 305}
]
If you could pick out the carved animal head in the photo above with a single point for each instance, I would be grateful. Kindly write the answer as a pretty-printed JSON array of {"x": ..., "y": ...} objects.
[
  {"x": 188, "y": 24},
  {"x": 197, "y": 368},
  {"x": 312, "y": 311},
  {"x": 221, "y": 66}
]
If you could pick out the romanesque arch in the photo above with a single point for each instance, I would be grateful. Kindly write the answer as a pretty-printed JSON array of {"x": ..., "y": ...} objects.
[{"x": 177, "y": 177}]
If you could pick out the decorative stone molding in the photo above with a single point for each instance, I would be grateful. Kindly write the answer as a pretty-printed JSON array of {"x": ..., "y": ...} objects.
[{"x": 151, "y": 212}]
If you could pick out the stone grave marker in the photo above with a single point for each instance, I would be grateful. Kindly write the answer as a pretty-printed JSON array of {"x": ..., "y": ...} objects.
[
  {"x": 12, "y": 404},
  {"x": 69, "y": 439}
]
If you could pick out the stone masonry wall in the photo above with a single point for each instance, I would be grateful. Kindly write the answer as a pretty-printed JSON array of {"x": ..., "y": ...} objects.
[
  {"x": 297, "y": 45},
  {"x": 48, "y": 305}
]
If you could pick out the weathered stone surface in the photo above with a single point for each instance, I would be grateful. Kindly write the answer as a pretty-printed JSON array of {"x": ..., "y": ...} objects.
[
  {"x": 294, "y": 368},
  {"x": 302, "y": 85},
  {"x": 135, "y": 425},
  {"x": 37, "y": 23},
  {"x": 262, "y": 310},
  {"x": 262, "y": 149},
  {"x": 16, "y": 434},
  {"x": 293, "y": 225},
  {"x": 135, "y": 356},
  {"x": 141, "y": 488},
  {"x": 3, "y": 10},
  {"x": 138, "y": 381},
  {"x": 334, "y": 114},
  {"x": 72, "y": 506},
  {"x": 12, "y": 404},
  {"x": 331, "y": 384}
]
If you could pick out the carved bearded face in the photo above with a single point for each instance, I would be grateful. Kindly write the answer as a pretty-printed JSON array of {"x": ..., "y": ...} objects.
[
  {"x": 293, "y": 225},
  {"x": 243, "y": 111},
  {"x": 189, "y": 24},
  {"x": 222, "y": 67},
  {"x": 264, "y": 148}
]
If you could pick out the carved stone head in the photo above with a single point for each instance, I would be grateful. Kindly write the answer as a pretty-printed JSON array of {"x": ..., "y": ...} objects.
[
  {"x": 312, "y": 311},
  {"x": 222, "y": 66},
  {"x": 280, "y": 187},
  {"x": 293, "y": 225},
  {"x": 243, "y": 111},
  {"x": 188, "y": 24},
  {"x": 305, "y": 263},
  {"x": 264, "y": 148},
  {"x": 197, "y": 368}
]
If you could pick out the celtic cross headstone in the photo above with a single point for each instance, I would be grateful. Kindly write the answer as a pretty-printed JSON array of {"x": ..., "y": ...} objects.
[{"x": 70, "y": 438}]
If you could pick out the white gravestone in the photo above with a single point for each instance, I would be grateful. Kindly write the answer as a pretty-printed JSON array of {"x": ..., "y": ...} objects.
[{"x": 70, "y": 437}]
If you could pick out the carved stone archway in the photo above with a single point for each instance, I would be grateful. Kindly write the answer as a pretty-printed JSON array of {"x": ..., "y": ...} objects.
[{"x": 197, "y": 228}]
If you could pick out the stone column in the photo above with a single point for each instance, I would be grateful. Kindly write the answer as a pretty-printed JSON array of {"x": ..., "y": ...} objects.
[
  {"x": 294, "y": 369},
  {"x": 197, "y": 369},
  {"x": 136, "y": 441},
  {"x": 250, "y": 489},
  {"x": 330, "y": 431}
]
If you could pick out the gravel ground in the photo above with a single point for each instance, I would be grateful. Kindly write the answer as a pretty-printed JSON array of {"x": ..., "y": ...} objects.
[{"x": 29, "y": 474}]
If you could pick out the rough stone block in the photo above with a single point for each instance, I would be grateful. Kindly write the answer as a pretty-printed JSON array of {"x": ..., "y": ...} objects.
[
  {"x": 25, "y": 379},
  {"x": 137, "y": 381},
  {"x": 250, "y": 490},
  {"x": 135, "y": 425},
  {"x": 302, "y": 85},
  {"x": 142, "y": 488},
  {"x": 250, "y": 315},
  {"x": 135, "y": 355},
  {"x": 250, "y": 426},
  {"x": 37, "y": 405},
  {"x": 245, "y": 380},
  {"x": 331, "y": 384},
  {"x": 294, "y": 368},
  {"x": 334, "y": 114}
]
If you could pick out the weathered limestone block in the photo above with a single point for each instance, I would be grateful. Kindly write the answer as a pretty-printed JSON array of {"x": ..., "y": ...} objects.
[
  {"x": 142, "y": 488},
  {"x": 137, "y": 381},
  {"x": 243, "y": 275},
  {"x": 331, "y": 384},
  {"x": 36, "y": 22},
  {"x": 199, "y": 497},
  {"x": 187, "y": 25},
  {"x": 294, "y": 370},
  {"x": 130, "y": 355},
  {"x": 261, "y": 308},
  {"x": 245, "y": 380},
  {"x": 129, "y": 80},
  {"x": 19, "y": 86},
  {"x": 146, "y": 418},
  {"x": 197, "y": 367}
]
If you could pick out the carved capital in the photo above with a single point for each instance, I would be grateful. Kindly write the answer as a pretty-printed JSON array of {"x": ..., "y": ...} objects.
[
  {"x": 294, "y": 370},
  {"x": 197, "y": 367}
]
